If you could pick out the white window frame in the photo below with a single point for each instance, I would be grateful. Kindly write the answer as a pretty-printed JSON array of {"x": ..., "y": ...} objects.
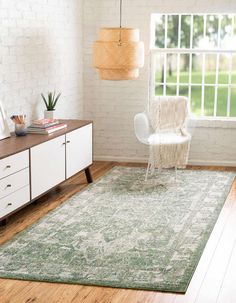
[{"x": 218, "y": 51}]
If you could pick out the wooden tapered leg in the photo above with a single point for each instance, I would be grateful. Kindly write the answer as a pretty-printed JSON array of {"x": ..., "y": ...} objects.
[{"x": 88, "y": 175}]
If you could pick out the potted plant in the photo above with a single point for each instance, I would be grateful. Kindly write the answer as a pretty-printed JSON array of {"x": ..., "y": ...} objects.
[{"x": 50, "y": 103}]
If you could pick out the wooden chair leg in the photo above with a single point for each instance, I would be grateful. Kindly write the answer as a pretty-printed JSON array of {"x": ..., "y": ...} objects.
[
  {"x": 148, "y": 166},
  {"x": 88, "y": 175}
]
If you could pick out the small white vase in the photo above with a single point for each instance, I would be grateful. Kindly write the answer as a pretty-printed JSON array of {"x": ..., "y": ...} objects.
[{"x": 49, "y": 114}]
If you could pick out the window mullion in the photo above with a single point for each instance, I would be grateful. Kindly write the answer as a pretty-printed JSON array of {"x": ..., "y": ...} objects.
[
  {"x": 230, "y": 69},
  {"x": 217, "y": 66},
  {"x": 191, "y": 32},
  {"x": 216, "y": 84},
  {"x": 219, "y": 31},
  {"x": 197, "y": 84},
  {"x": 203, "y": 70},
  {"x": 192, "y": 50},
  {"x": 179, "y": 31},
  {"x": 190, "y": 63},
  {"x": 165, "y": 70},
  {"x": 178, "y": 57},
  {"x": 178, "y": 74},
  {"x": 165, "y": 55},
  {"x": 152, "y": 79},
  {"x": 166, "y": 27},
  {"x": 229, "y": 84},
  {"x": 203, "y": 84},
  {"x": 190, "y": 78}
]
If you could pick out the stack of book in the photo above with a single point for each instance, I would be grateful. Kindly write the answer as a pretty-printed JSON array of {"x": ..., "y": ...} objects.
[{"x": 45, "y": 126}]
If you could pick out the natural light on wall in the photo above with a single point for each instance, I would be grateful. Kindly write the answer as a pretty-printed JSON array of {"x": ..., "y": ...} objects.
[{"x": 195, "y": 56}]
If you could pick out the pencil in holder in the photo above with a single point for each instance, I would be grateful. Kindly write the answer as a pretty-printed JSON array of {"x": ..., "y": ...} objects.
[{"x": 20, "y": 129}]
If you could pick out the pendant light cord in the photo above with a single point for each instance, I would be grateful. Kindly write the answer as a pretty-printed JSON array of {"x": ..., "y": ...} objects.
[
  {"x": 120, "y": 22},
  {"x": 120, "y": 12}
]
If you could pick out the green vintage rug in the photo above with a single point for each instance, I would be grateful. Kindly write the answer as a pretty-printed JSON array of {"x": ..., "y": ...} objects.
[{"x": 123, "y": 232}]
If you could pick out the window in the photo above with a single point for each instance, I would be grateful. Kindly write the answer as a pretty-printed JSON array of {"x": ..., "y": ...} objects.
[{"x": 195, "y": 56}]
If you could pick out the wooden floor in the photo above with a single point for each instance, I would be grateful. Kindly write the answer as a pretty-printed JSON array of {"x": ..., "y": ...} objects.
[{"x": 214, "y": 279}]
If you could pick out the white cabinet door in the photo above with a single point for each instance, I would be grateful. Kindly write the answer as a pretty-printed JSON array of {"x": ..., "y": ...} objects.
[
  {"x": 78, "y": 150},
  {"x": 47, "y": 165}
]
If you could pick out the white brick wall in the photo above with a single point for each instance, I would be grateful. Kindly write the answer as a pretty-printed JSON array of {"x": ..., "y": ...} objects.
[
  {"x": 112, "y": 105},
  {"x": 41, "y": 50}
]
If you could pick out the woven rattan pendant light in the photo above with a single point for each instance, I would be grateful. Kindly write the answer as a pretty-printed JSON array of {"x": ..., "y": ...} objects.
[{"x": 118, "y": 54}]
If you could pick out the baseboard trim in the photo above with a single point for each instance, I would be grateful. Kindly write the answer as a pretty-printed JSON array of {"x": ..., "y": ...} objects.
[
  {"x": 212, "y": 163},
  {"x": 144, "y": 160},
  {"x": 121, "y": 159}
]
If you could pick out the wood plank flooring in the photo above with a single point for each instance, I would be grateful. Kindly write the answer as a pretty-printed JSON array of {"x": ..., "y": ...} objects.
[{"x": 213, "y": 281}]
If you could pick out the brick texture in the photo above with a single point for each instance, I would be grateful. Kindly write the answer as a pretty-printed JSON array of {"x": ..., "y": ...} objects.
[{"x": 41, "y": 50}]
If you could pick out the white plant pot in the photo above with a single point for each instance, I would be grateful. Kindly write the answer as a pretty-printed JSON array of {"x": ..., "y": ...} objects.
[{"x": 49, "y": 114}]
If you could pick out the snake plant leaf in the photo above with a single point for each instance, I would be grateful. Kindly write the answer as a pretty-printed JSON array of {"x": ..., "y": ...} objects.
[
  {"x": 55, "y": 101},
  {"x": 44, "y": 100},
  {"x": 51, "y": 101}
]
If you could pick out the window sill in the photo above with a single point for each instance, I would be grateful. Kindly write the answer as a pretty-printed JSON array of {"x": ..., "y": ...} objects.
[{"x": 209, "y": 122}]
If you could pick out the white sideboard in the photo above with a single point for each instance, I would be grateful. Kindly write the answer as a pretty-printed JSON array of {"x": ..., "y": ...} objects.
[{"x": 32, "y": 165}]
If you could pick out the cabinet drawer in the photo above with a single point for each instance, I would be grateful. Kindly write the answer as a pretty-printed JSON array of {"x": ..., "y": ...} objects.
[
  {"x": 14, "y": 201},
  {"x": 14, "y": 182},
  {"x": 14, "y": 163}
]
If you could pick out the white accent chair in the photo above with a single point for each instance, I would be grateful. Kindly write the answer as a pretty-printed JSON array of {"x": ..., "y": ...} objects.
[{"x": 163, "y": 126}]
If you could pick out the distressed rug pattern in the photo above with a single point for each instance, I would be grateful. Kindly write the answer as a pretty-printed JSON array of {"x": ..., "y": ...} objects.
[{"x": 123, "y": 232}]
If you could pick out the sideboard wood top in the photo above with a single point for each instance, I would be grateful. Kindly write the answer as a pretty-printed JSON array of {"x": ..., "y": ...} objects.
[{"x": 13, "y": 145}]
